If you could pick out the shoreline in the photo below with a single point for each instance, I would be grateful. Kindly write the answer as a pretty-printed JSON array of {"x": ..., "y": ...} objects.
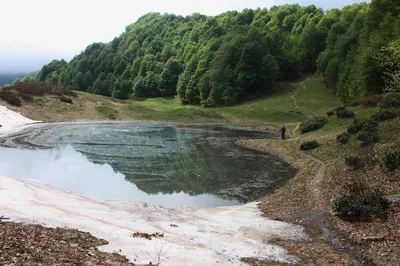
[{"x": 201, "y": 236}]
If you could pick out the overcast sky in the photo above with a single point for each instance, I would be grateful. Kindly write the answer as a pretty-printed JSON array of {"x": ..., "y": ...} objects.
[{"x": 33, "y": 32}]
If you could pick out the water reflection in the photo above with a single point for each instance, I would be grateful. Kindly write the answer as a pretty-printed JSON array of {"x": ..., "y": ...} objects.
[{"x": 164, "y": 164}]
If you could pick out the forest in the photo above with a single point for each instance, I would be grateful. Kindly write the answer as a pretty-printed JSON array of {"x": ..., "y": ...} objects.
[{"x": 222, "y": 60}]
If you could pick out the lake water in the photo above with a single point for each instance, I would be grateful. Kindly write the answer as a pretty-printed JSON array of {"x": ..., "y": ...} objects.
[{"x": 160, "y": 164}]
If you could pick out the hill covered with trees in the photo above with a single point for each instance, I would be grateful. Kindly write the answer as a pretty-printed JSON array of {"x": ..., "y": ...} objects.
[{"x": 223, "y": 59}]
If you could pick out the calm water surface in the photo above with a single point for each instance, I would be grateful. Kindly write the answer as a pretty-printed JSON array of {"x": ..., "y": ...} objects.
[{"x": 160, "y": 164}]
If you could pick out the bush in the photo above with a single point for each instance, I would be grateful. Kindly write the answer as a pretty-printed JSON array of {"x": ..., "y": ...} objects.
[
  {"x": 309, "y": 145},
  {"x": 65, "y": 99},
  {"x": 10, "y": 97},
  {"x": 354, "y": 162},
  {"x": 391, "y": 100},
  {"x": 344, "y": 113},
  {"x": 330, "y": 113},
  {"x": 25, "y": 97},
  {"x": 370, "y": 101},
  {"x": 354, "y": 104},
  {"x": 343, "y": 138},
  {"x": 369, "y": 132},
  {"x": 356, "y": 126},
  {"x": 30, "y": 88},
  {"x": 70, "y": 93},
  {"x": 371, "y": 203},
  {"x": 384, "y": 115},
  {"x": 392, "y": 161},
  {"x": 312, "y": 124}
]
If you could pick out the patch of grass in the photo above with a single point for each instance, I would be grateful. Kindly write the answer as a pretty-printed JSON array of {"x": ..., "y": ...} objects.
[
  {"x": 107, "y": 112},
  {"x": 180, "y": 114},
  {"x": 316, "y": 98}
]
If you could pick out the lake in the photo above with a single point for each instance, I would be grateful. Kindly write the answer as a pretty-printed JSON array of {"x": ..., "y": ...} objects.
[{"x": 157, "y": 163}]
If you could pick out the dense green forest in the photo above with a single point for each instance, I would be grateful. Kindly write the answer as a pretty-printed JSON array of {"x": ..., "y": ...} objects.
[{"x": 223, "y": 59}]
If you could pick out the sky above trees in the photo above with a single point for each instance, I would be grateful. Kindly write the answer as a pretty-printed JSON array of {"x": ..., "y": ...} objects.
[{"x": 34, "y": 32}]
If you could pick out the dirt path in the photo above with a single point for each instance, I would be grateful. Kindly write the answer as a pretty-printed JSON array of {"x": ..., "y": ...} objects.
[{"x": 299, "y": 88}]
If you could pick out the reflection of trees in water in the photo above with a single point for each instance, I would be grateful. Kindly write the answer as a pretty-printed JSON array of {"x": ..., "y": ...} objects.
[
  {"x": 224, "y": 169},
  {"x": 193, "y": 161}
]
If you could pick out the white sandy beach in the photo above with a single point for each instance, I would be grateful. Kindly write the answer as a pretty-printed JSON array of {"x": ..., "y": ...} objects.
[{"x": 217, "y": 236}]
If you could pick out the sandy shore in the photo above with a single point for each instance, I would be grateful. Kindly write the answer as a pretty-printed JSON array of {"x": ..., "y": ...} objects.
[
  {"x": 202, "y": 236},
  {"x": 12, "y": 122}
]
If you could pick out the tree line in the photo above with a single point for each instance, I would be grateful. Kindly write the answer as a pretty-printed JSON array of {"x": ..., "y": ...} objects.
[{"x": 220, "y": 60}]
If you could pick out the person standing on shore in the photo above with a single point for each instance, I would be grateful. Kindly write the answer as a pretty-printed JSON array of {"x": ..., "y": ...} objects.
[{"x": 283, "y": 132}]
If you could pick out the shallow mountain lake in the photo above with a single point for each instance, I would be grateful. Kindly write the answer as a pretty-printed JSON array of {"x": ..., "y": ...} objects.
[{"x": 160, "y": 164}]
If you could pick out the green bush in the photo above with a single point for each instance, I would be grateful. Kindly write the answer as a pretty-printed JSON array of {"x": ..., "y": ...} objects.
[
  {"x": 392, "y": 161},
  {"x": 65, "y": 99},
  {"x": 384, "y": 115},
  {"x": 354, "y": 162},
  {"x": 369, "y": 132},
  {"x": 343, "y": 138},
  {"x": 330, "y": 113},
  {"x": 309, "y": 145},
  {"x": 344, "y": 113},
  {"x": 356, "y": 126},
  {"x": 312, "y": 124},
  {"x": 10, "y": 97},
  {"x": 371, "y": 203}
]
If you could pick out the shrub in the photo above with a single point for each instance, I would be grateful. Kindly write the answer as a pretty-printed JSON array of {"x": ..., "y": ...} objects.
[
  {"x": 30, "y": 88},
  {"x": 356, "y": 126},
  {"x": 343, "y": 138},
  {"x": 25, "y": 97},
  {"x": 370, "y": 101},
  {"x": 357, "y": 205},
  {"x": 391, "y": 100},
  {"x": 354, "y": 162},
  {"x": 356, "y": 103},
  {"x": 330, "y": 113},
  {"x": 10, "y": 97},
  {"x": 384, "y": 115},
  {"x": 392, "y": 161},
  {"x": 312, "y": 124},
  {"x": 309, "y": 145},
  {"x": 344, "y": 113},
  {"x": 369, "y": 132},
  {"x": 65, "y": 99},
  {"x": 70, "y": 93}
]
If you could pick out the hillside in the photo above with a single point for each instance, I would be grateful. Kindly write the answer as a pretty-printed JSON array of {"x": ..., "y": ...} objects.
[
  {"x": 325, "y": 174},
  {"x": 221, "y": 60}
]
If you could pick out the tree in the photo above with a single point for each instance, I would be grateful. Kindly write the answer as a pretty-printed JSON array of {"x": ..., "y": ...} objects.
[{"x": 389, "y": 59}]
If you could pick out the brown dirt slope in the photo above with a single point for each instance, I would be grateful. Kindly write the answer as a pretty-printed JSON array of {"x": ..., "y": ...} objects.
[{"x": 22, "y": 244}]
